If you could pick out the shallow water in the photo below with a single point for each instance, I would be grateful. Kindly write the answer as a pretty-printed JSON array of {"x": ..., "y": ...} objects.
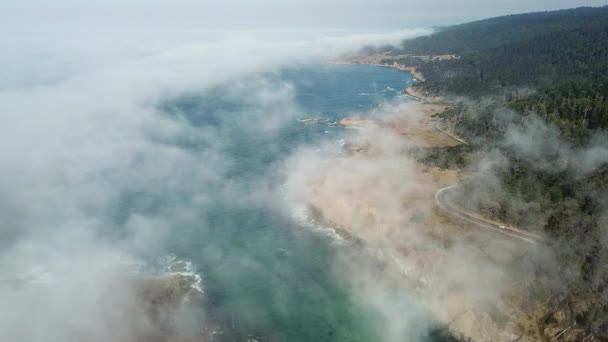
[{"x": 266, "y": 273}]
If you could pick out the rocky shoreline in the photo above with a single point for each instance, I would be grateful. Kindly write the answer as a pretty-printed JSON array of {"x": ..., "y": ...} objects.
[
  {"x": 380, "y": 60},
  {"x": 356, "y": 214}
]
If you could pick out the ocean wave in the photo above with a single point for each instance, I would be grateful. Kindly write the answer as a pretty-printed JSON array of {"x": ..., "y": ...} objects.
[
  {"x": 170, "y": 264},
  {"x": 314, "y": 120},
  {"x": 301, "y": 215},
  {"x": 165, "y": 265}
]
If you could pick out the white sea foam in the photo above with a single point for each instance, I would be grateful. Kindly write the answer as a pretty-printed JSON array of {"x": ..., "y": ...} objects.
[
  {"x": 170, "y": 264},
  {"x": 301, "y": 215}
]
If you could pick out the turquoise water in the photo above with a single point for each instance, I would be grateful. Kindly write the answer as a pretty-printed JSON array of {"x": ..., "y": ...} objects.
[{"x": 265, "y": 274}]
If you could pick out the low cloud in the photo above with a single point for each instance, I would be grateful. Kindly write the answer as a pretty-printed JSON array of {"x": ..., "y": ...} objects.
[
  {"x": 419, "y": 270},
  {"x": 88, "y": 149}
]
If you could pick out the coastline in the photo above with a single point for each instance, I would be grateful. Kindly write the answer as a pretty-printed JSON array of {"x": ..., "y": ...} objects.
[
  {"x": 397, "y": 223},
  {"x": 356, "y": 122},
  {"x": 382, "y": 59},
  {"x": 376, "y": 209},
  {"x": 411, "y": 91},
  {"x": 376, "y": 60}
]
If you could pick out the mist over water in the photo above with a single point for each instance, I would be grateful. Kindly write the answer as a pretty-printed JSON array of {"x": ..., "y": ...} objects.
[
  {"x": 198, "y": 195},
  {"x": 268, "y": 272},
  {"x": 185, "y": 171}
]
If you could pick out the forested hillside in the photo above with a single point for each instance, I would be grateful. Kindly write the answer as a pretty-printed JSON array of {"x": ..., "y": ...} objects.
[
  {"x": 530, "y": 94},
  {"x": 554, "y": 64},
  {"x": 491, "y": 33},
  {"x": 535, "y": 49}
]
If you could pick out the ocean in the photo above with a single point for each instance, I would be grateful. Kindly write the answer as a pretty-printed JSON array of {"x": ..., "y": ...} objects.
[{"x": 265, "y": 271}]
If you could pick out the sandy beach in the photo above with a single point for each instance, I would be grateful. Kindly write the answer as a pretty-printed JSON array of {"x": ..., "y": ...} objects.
[
  {"x": 420, "y": 128},
  {"x": 356, "y": 122},
  {"x": 377, "y": 61}
]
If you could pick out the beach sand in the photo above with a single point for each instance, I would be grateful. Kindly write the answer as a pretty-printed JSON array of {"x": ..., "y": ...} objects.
[
  {"x": 356, "y": 122},
  {"x": 377, "y": 188},
  {"x": 420, "y": 127}
]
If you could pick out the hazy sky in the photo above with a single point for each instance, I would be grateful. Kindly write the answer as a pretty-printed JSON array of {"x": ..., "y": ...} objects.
[
  {"x": 80, "y": 86},
  {"x": 359, "y": 15}
]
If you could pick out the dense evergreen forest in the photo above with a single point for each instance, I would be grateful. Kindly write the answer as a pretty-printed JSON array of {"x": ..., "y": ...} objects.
[
  {"x": 537, "y": 49},
  {"x": 493, "y": 33},
  {"x": 562, "y": 56},
  {"x": 533, "y": 90}
]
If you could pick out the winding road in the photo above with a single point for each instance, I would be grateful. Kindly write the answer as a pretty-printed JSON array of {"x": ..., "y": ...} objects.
[
  {"x": 445, "y": 204},
  {"x": 436, "y": 126},
  {"x": 443, "y": 201}
]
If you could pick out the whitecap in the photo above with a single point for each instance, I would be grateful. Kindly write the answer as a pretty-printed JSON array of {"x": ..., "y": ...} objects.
[
  {"x": 165, "y": 265},
  {"x": 301, "y": 215},
  {"x": 170, "y": 264}
]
